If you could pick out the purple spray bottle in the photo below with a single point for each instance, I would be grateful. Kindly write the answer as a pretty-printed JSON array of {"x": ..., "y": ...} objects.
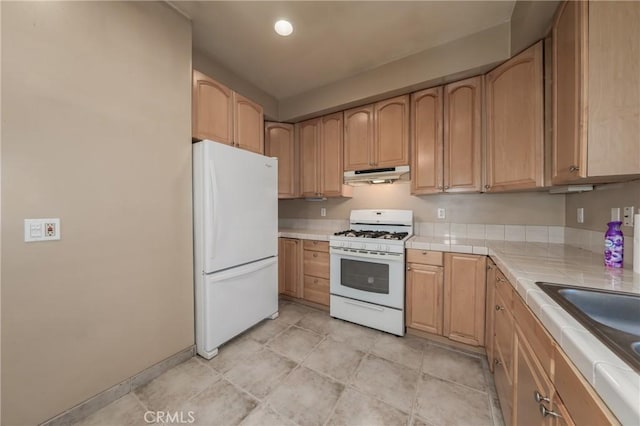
[{"x": 613, "y": 246}]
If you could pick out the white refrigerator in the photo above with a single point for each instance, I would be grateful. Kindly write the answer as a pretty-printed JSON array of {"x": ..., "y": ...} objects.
[{"x": 235, "y": 211}]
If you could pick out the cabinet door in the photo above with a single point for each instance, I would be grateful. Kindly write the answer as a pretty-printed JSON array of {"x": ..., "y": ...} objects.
[
  {"x": 391, "y": 146},
  {"x": 569, "y": 92},
  {"x": 490, "y": 315},
  {"x": 424, "y": 298},
  {"x": 331, "y": 173},
  {"x": 358, "y": 138},
  {"x": 308, "y": 139},
  {"x": 280, "y": 142},
  {"x": 212, "y": 110},
  {"x": 529, "y": 380},
  {"x": 426, "y": 141},
  {"x": 249, "y": 124},
  {"x": 614, "y": 89},
  {"x": 462, "y": 136},
  {"x": 515, "y": 123},
  {"x": 464, "y": 297},
  {"x": 289, "y": 267}
]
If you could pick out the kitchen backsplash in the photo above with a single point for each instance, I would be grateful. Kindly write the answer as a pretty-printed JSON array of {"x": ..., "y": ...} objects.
[{"x": 581, "y": 238}]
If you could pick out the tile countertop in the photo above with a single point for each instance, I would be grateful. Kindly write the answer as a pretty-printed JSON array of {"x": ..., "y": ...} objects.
[{"x": 524, "y": 263}]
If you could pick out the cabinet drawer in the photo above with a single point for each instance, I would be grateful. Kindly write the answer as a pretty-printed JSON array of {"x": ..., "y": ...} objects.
[
  {"x": 541, "y": 343},
  {"x": 425, "y": 257},
  {"x": 316, "y": 245},
  {"x": 581, "y": 401},
  {"x": 316, "y": 290},
  {"x": 316, "y": 263}
]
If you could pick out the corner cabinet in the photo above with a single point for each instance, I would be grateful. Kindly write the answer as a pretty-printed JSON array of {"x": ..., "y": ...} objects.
[
  {"x": 221, "y": 115},
  {"x": 595, "y": 86},
  {"x": 280, "y": 143},
  {"x": 515, "y": 123},
  {"x": 377, "y": 135},
  {"x": 320, "y": 143},
  {"x": 464, "y": 298},
  {"x": 212, "y": 110}
]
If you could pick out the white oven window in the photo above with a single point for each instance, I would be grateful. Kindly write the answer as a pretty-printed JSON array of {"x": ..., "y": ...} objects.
[{"x": 366, "y": 276}]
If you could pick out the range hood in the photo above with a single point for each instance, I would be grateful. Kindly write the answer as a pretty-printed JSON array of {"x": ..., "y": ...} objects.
[{"x": 381, "y": 175}]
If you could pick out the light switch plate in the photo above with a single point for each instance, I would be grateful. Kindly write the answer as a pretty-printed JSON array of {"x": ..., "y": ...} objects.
[{"x": 41, "y": 229}]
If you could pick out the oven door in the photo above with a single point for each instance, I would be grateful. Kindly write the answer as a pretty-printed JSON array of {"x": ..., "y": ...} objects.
[{"x": 369, "y": 277}]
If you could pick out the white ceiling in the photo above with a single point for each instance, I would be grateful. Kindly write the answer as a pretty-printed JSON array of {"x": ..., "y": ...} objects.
[{"x": 331, "y": 40}]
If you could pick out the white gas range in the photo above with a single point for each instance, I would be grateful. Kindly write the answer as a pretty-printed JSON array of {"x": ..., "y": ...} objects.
[{"x": 367, "y": 269}]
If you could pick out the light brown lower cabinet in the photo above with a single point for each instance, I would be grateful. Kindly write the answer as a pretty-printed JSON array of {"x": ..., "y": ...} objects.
[
  {"x": 289, "y": 267},
  {"x": 315, "y": 285},
  {"x": 536, "y": 383},
  {"x": 489, "y": 316},
  {"x": 464, "y": 298},
  {"x": 424, "y": 297}
]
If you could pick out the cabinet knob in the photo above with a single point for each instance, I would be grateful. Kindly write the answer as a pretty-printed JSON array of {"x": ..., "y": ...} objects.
[
  {"x": 499, "y": 308},
  {"x": 446, "y": 187},
  {"x": 497, "y": 362},
  {"x": 539, "y": 398},
  {"x": 546, "y": 412},
  {"x": 315, "y": 254},
  {"x": 439, "y": 186},
  {"x": 315, "y": 281},
  {"x": 489, "y": 267},
  {"x": 574, "y": 169},
  {"x": 424, "y": 252},
  {"x": 487, "y": 186},
  {"x": 408, "y": 268}
]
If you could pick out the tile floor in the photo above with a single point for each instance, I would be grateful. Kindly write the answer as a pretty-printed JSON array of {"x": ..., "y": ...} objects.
[{"x": 306, "y": 368}]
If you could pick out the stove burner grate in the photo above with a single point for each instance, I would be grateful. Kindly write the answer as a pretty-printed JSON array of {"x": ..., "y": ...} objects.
[{"x": 385, "y": 235}]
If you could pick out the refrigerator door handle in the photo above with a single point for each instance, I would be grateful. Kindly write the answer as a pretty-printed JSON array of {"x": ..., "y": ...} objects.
[
  {"x": 247, "y": 269},
  {"x": 214, "y": 210}
]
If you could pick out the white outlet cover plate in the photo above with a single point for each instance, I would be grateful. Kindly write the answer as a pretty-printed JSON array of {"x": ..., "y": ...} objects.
[
  {"x": 441, "y": 213},
  {"x": 628, "y": 216},
  {"x": 34, "y": 229}
]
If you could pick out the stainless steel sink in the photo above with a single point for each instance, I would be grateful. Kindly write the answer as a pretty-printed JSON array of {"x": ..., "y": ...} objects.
[{"x": 612, "y": 317}]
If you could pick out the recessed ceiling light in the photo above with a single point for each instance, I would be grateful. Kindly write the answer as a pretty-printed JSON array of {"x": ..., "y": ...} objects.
[{"x": 284, "y": 28}]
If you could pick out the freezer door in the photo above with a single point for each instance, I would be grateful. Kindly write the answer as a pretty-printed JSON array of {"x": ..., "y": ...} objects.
[
  {"x": 235, "y": 206},
  {"x": 231, "y": 301}
]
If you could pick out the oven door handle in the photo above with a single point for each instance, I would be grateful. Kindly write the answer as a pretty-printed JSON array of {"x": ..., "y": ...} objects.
[
  {"x": 389, "y": 257},
  {"x": 359, "y": 305}
]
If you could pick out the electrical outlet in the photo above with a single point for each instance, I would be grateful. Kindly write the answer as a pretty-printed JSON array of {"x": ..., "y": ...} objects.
[
  {"x": 580, "y": 215},
  {"x": 41, "y": 230},
  {"x": 323, "y": 211},
  {"x": 442, "y": 213},
  {"x": 627, "y": 219},
  {"x": 615, "y": 214}
]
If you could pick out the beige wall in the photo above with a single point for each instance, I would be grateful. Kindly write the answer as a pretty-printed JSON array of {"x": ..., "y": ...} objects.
[
  {"x": 215, "y": 70},
  {"x": 95, "y": 131},
  {"x": 461, "y": 58},
  {"x": 531, "y": 208},
  {"x": 597, "y": 206},
  {"x": 531, "y": 20}
]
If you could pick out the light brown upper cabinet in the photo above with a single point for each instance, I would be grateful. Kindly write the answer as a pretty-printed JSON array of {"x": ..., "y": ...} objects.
[
  {"x": 221, "y": 115},
  {"x": 320, "y": 142},
  {"x": 515, "y": 121},
  {"x": 280, "y": 143},
  {"x": 595, "y": 86},
  {"x": 462, "y": 136},
  {"x": 248, "y": 124},
  {"x": 426, "y": 141},
  {"x": 212, "y": 110},
  {"x": 464, "y": 297},
  {"x": 358, "y": 138},
  {"x": 377, "y": 136},
  {"x": 446, "y": 138}
]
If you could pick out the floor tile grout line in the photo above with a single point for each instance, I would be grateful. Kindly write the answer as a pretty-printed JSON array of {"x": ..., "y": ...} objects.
[{"x": 456, "y": 383}]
